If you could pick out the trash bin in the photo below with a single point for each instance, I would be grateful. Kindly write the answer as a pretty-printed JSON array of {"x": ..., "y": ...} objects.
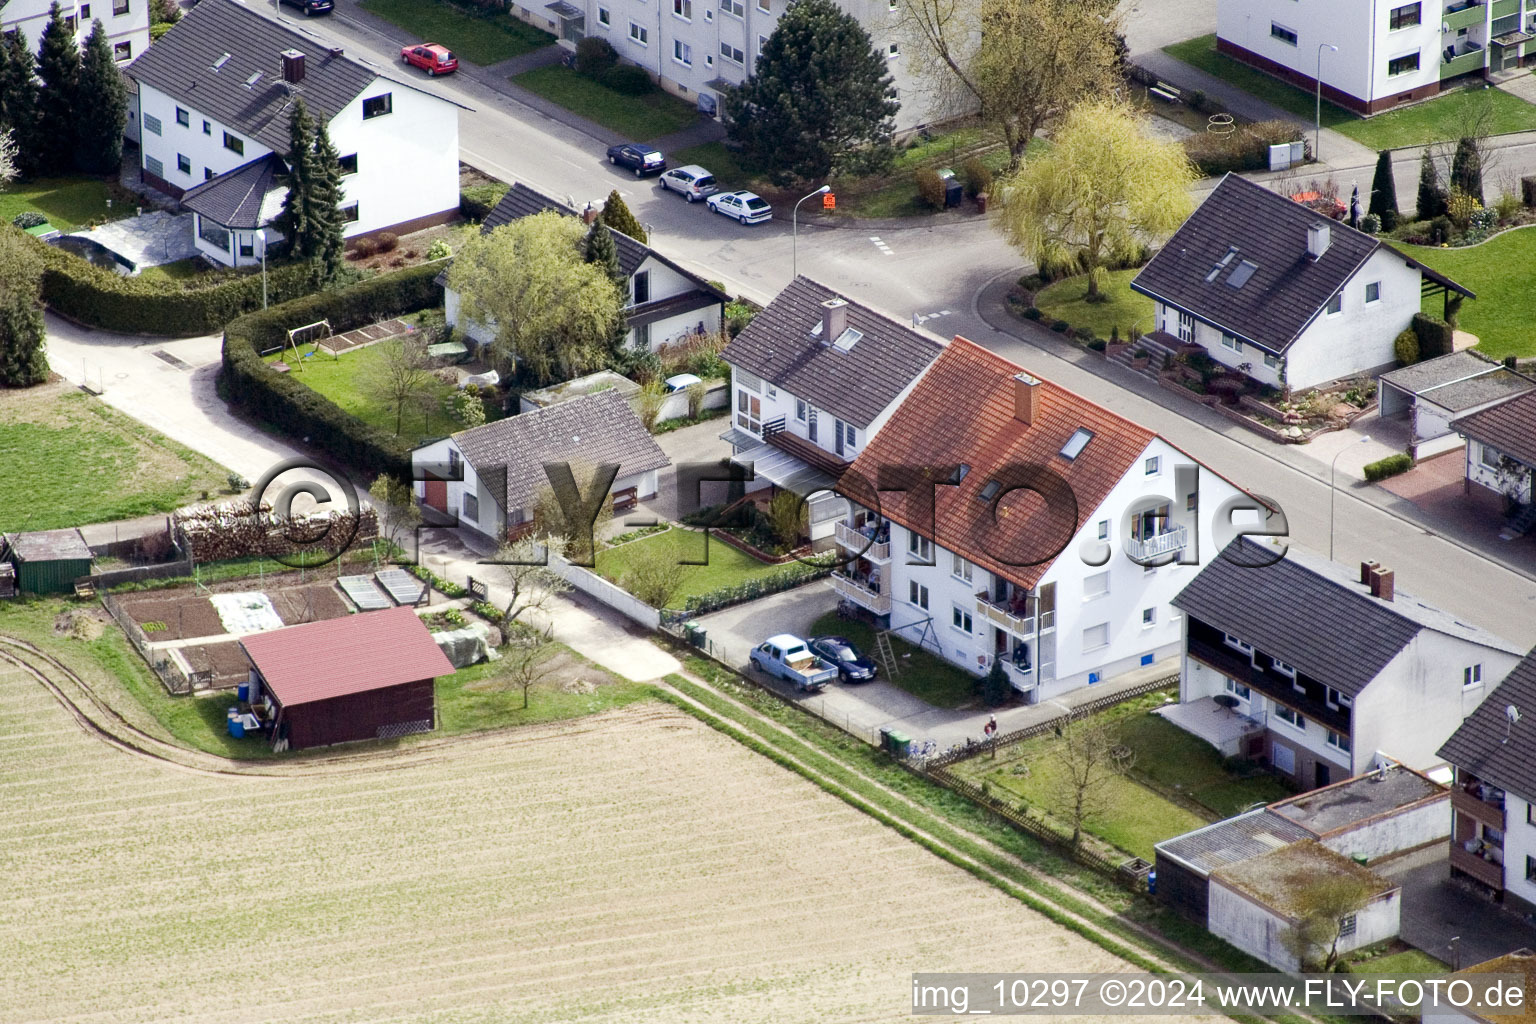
[
  {"x": 954, "y": 194},
  {"x": 885, "y": 739},
  {"x": 1151, "y": 883},
  {"x": 243, "y": 693},
  {"x": 901, "y": 744},
  {"x": 236, "y": 727}
]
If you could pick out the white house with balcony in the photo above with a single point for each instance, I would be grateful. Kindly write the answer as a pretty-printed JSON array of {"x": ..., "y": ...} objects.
[
  {"x": 814, "y": 378},
  {"x": 126, "y": 22},
  {"x": 1026, "y": 525},
  {"x": 215, "y": 96},
  {"x": 1284, "y": 295},
  {"x": 1375, "y": 54},
  {"x": 1501, "y": 458}
]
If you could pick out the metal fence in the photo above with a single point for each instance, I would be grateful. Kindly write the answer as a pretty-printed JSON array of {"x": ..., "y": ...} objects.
[{"x": 173, "y": 672}]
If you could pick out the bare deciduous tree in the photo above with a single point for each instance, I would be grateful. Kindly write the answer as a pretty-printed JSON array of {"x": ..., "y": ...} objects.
[
  {"x": 1326, "y": 902},
  {"x": 525, "y": 572},
  {"x": 575, "y": 522},
  {"x": 655, "y": 576},
  {"x": 398, "y": 376},
  {"x": 1091, "y": 757},
  {"x": 527, "y": 659},
  {"x": 395, "y": 504}
]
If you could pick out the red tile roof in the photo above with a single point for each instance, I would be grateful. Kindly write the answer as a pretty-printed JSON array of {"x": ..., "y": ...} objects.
[
  {"x": 353, "y": 654},
  {"x": 962, "y": 412}
]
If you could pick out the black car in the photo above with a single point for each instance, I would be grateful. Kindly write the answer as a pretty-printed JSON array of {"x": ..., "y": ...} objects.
[
  {"x": 852, "y": 667},
  {"x": 640, "y": 159},
  {"x": 311, "y": 7}
]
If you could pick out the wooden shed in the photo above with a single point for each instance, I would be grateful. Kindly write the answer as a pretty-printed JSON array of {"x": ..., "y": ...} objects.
[
  {"x": 365, "y": 676},
  {"x": 48, "y": 562}
]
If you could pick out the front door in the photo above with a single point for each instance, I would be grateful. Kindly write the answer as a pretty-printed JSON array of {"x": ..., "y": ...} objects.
[
  {"x": 810, "y": 423},
  {"x": 437, "y": 494},
  {"x": 837, "y": 429},
  {"x": 1321, "y": 775}
]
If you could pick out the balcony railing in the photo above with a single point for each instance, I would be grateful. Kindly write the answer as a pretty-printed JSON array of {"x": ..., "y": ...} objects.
[
  {"x": 856, "y": 542},
  {"x": 1005, "y": 616},
  {"x": 1490, "y": 873},
  {"x": 1465, "y": 17},
  {"x": 1479, "y": 801},
  {"x": 1463, "y": 64},
  {"x": 1505, "y": 8},
  {"x": 861, "y": 595},
  {"x": 1159, "y": 544},
  {"x": 1022, "y": 678}
]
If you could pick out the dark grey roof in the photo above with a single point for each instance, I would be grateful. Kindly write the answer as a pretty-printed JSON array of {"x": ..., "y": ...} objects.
[
  {"x": 1459, "y": 381},
  {"x": 49, "y": 546},
  {"x": 1242, "y": 222},
  {"x": 1488, "y": 746},
  {"x": 1509, "y": 426},
  {"x": 234, "y": 198},
  {"x": 672, "y": 305},
  {"x": 181, "y": 65},
  {"x": 1441, "y": 370},
  {"x": 1355, "y": 800},
  {"x": 856, "y": 385},
  {"x": 1314, "y": 614},
  {"x": 522, "y": 201},
  {"x": 594, "y": 428},
  {"x": 1234, "y": 840}
]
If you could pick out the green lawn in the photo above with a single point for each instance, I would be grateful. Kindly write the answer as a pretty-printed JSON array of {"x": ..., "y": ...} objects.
[
  {"x": 634, "y": 117},
  {"x": 76, "y": 460},
  {"x": 730, "y": 168},
  {"x": 1123, "y": 308},
  {"x": 68, "y": 203},
  {"x": 1173, "y": 761},
  {"x": 1498, "y": 272},
  {"x": 341, "y": 380},
  {"x": 1409, "y": 961},
  {"x": 479, "y": 39},
  {"x": 1445, "y": 117},
  {"x": 476, "y": 697},
  {"x": 923, "y": 675},
  {"x": 727, "y": 566}
]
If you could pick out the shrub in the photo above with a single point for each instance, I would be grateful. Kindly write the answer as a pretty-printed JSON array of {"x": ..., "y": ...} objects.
[
  {"x": 1033, "y": 313},
  {"x": 1406, "y": 347},
  {"x": 280, "y": 398},
  {"x": 628, "y": 80},
  {"x": 1436, "y": 336},
  {"x": 1440, "y": 230},
  {"x": 1370, "y": 224},
  {"x": 977, "y": 177},
  {"x": 159, "y": 29},
  {"x": 1198, "y": 101},
  {"x": 594, "y": 56},
  {"x": 1506, "y": 206},
  {"x": 365, "y": 247},
  {"x": 29, "y": 219},
  {"x": 1461, "y": 207},
  {"x": 477, "y": 201},
  {"x": 1528, "y": 191},
  {"x": 1098, "y": 344},
  {"x": 1060, "y": 326},
  {"x": 388, "y": 241},
  {"x": 930, "y": 187},
  {"x": 439, "y": 250},
  {"x": 1246, "y": 149},
  {"x": 1389, "y": 466}
]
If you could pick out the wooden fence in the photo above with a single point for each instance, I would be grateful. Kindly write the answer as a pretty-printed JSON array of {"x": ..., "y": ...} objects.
[{"x": 172, "y": 671}]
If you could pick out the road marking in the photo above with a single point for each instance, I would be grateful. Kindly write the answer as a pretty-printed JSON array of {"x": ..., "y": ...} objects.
[
  {"x": 921, "y": 318},
  {"x": 878, "y": 244}
]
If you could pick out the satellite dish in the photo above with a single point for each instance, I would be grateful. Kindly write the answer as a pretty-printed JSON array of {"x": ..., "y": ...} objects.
[{"x": 1511, "y": 715}]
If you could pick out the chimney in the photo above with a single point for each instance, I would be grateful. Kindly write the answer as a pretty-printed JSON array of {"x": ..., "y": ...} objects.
[
  {"x": 1382, "y": 583},
  {"x": 1026, "y": 398},
  {"x": 293, "y": 66},
  {"x": 834, "y": 320},
  {"x": 337, "y": 51},
  {"x": 1366, "y": 568},
  {"x": 1319, "y": 236}
]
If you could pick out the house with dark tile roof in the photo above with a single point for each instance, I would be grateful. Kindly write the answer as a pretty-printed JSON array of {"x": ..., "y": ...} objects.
[
  {"x": 214, "y": 99},
  {"x": 1321, "y": 672},
  {"x": 1493, "y": 837},
  {"x": 1501, "y": 457},
  {"x": 999, "y": 517},
  {"x": 126, "y": 23},
  {"x": 1281, "y": 293},
  {"x": 666, "y": 304},
  {"x": 489, "y": 477},
  {"x": 1430, "y": 394}
]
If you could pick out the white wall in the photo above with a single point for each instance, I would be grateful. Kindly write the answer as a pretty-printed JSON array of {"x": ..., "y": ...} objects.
[
  {"x": 1478, "y": 473},
  {"x": 1361, "y": 336},
  {"x": 489, "y": 520},
  {"x": 407, "y": 160},
  {"x": 622, "y": 601},
  {"x": 131, "y": 26},
  {"x": 204, "y": 149},
  {"x": 1404, "y": 830},
  {"x": 1261, "y": 933},
  {"x": 779, "y": 403},
  {"x": 1519, "y": 844}
]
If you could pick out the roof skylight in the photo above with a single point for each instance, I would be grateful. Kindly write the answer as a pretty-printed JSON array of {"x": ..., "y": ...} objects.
[
  {"x": 1240, "y": 276},
  {"x": 847, "y": 339},
  {"x": 219, "y": 64},
  {"x": 990, "y": 491},
  {"x": 1076, "y": 443},
  {"x": 252, "y": 80},
  {"x": 1216, "y": 270}
]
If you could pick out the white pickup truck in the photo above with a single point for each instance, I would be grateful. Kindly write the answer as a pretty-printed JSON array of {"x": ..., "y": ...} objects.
[{"x": 788, "y": 657}]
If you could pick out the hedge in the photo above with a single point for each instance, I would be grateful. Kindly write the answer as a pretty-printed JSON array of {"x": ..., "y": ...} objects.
[
  {"x": 477, "y": 201},
  {"x": 1244, "y": 149},
  {"x": 788, "y": 578},
  {"x": 1436, "y": 337},
  {"x": 1389, "y": 466},
  {"x": 250, "y": 383},
  {"x": 79, "y": 290}
]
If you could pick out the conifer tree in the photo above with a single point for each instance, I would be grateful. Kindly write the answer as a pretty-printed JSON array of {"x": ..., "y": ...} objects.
[
  {"x": 18, "y": 99},
  {"x": 1467, "y": 169},
  {"x": 22, "y": 360},
  {"x": 103, "y": 107},
  {"x": 1384, "y": 192},
  {"x": 294, "y": 220},
  {"x": 617, "y": 216},
  {"x": 325, "y": 220},
  {"x": 600, "y": 248},
  {"x": 1432, "y": 201},
  {"x": 58, "y": 70}
]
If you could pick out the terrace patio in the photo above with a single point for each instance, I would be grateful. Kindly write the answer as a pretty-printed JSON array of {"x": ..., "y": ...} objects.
[{"x": 1216, "y": 722}]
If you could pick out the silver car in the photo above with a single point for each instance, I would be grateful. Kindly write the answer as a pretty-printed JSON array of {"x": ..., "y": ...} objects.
[{"x": 691, "y": 182}]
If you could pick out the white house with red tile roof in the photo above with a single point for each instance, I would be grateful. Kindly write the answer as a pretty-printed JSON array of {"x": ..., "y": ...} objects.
[{"x": 1034, "y": 527}]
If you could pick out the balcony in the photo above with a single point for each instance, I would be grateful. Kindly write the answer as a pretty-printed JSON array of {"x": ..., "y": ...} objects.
[
  {"x": 1464, "y": 17},
  {"x": 1489, "y": 872},
  {"x": 1015, "y": 620},
  {"x": 1022, "y": 678},
  {"x": 861, "y": 544},
  {"x": 1504, "y": 8},
  {"x": 860, "y": 594},
  {"x": 1479, "y": 801},
  {"x": 1463, "y": 64},
  {"x": 1165, "y": 543}
]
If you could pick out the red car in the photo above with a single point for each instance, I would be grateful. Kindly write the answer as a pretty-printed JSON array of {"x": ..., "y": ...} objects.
[{"x": 432, "y": 58}]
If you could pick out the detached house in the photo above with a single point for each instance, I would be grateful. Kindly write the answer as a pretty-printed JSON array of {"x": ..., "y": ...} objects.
[
  {"x": 1493, "y": 840},
  {"x": 489, "y": 477},
  {"x": 126, "y": 22},
  {"x": 1290, "y": 298},
  {"x": 814, "y": 378},
  {"x": 215, "y": 96},
  {"x": 666, "y": 304},
  {"x": 1322, "y": 673},
  {"x": 1501, "y": 456},
  {"x": 1027, "y": 525}
]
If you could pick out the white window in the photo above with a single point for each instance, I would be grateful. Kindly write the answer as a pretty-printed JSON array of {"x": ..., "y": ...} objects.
[
  {"x": 1280, "y": 32},
  {"x": 603, "y": 17},
  {"x": 373, "y": 106},
  {"x": 765, "y": 5},
  {"x": 1154, "y": 465},
  {"x": 1286, "y": 670},
  {"x": 1232, "y": 641},
  {"x": 639, "y": 34},
  {"x": 682, "y": 52},
  {"x": 1336, "y": 699},
  {"x": 152, "y": 124},
  {"x": 122, "y": 51},
  {"x": 1273, "y": 362},
  {"x": 1338, "y": 742},
  {"x": 1186, "y": 327},
  {"x": 733, "y": 7},
  {"x": 1095, "y": 637},
  {"x": 800, "y": 409},
  {"x": 1148, "y": 617},
  {"x": 1290, "y": 717},
  {"x": 732, "y": 53},
  {"x": 917, "y": 594},
  {"x": 1336, "y": 304},
  {"x": 920, "y": 547},
  {"x": 471, "y": 507},
  {"x": 1230, "y": 341},
  {"x": 1283, "y": 758},
  {"x": 1238, "y": 690},
  {"x": 959, "y": 567},
  {"x": 1489, "y": 456},
  {"x": 1372, "y": 292},
  {"x": 1095, "y": 586},
  {"x": 1103, "y": 529},
  {"x": 960, "y": 619},
  {"x": 683, "y": 9},
  {"x": 1472, "y": 675}
]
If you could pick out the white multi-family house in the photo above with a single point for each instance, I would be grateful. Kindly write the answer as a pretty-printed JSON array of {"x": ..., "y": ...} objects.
[
  {"x": 1501, "y": 457},
  {"x": 1029, "y": 526},
  {"x": 1292, "y": 299},
  {"x": 665, "y": 305},
  {"x": 1493, "y": 837},
  {"x": 814, "y": 377},
  {"x": 126, "y": 22},
  {"x": 1372, "y": 55},
  {"x": 488, "y": 478},
  {"x": 698, "y": 49},
  {"x": 215, "y": 97},
  {"x": 1293, "y": 660}
]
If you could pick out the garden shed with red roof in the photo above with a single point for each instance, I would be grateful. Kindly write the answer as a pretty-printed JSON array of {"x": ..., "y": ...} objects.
[{"x": 366, "y": 676}]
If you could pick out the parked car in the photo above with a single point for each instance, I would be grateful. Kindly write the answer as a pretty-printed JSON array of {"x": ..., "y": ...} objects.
[
  {"x": 311, "y": 7},
  {"x": 433, "y": 58},
  {"x": 747, "y": 207},
  {"x": 691, "y": 182},
  {"x": 788, "y": 657},
  {"x": 852, "y": 667},
  {"x": 682, "y": 382},
  {"x": 640, "y": 159}
]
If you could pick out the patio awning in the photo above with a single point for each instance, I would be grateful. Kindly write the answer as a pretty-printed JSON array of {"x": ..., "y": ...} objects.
[
  {"x": 565, "y": 10},
  {"x": 1514, "y": 38},
  {"x": 739, "y": 439},
  {"x": 784, "y": 470}
]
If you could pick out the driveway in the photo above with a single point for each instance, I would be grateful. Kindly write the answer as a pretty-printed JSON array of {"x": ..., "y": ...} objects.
[{"x": 1437, "y": 910}]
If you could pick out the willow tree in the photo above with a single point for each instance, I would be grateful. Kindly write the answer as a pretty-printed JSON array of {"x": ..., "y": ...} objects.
[{"x": 1104, "y": 189}]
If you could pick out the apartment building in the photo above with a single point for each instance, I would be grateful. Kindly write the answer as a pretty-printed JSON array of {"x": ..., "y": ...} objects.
[{"x": 126, "y": 22}]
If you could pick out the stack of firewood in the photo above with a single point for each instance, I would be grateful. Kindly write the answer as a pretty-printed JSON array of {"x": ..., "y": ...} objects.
[{"x": 234, "y": 529}]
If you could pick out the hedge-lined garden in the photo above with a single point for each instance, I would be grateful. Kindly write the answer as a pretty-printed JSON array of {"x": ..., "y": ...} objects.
[{"x": 277, "y": 398}]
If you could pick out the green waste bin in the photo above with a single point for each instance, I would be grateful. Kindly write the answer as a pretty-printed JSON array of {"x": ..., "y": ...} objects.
[{"x": 901, "y": 743}]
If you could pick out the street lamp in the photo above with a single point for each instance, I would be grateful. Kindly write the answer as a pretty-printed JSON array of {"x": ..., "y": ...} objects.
[
  {"x": 1332, "y": 490},
  {"x": 794, "y": 220},
  {"x": 1317, "y": 133}
]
